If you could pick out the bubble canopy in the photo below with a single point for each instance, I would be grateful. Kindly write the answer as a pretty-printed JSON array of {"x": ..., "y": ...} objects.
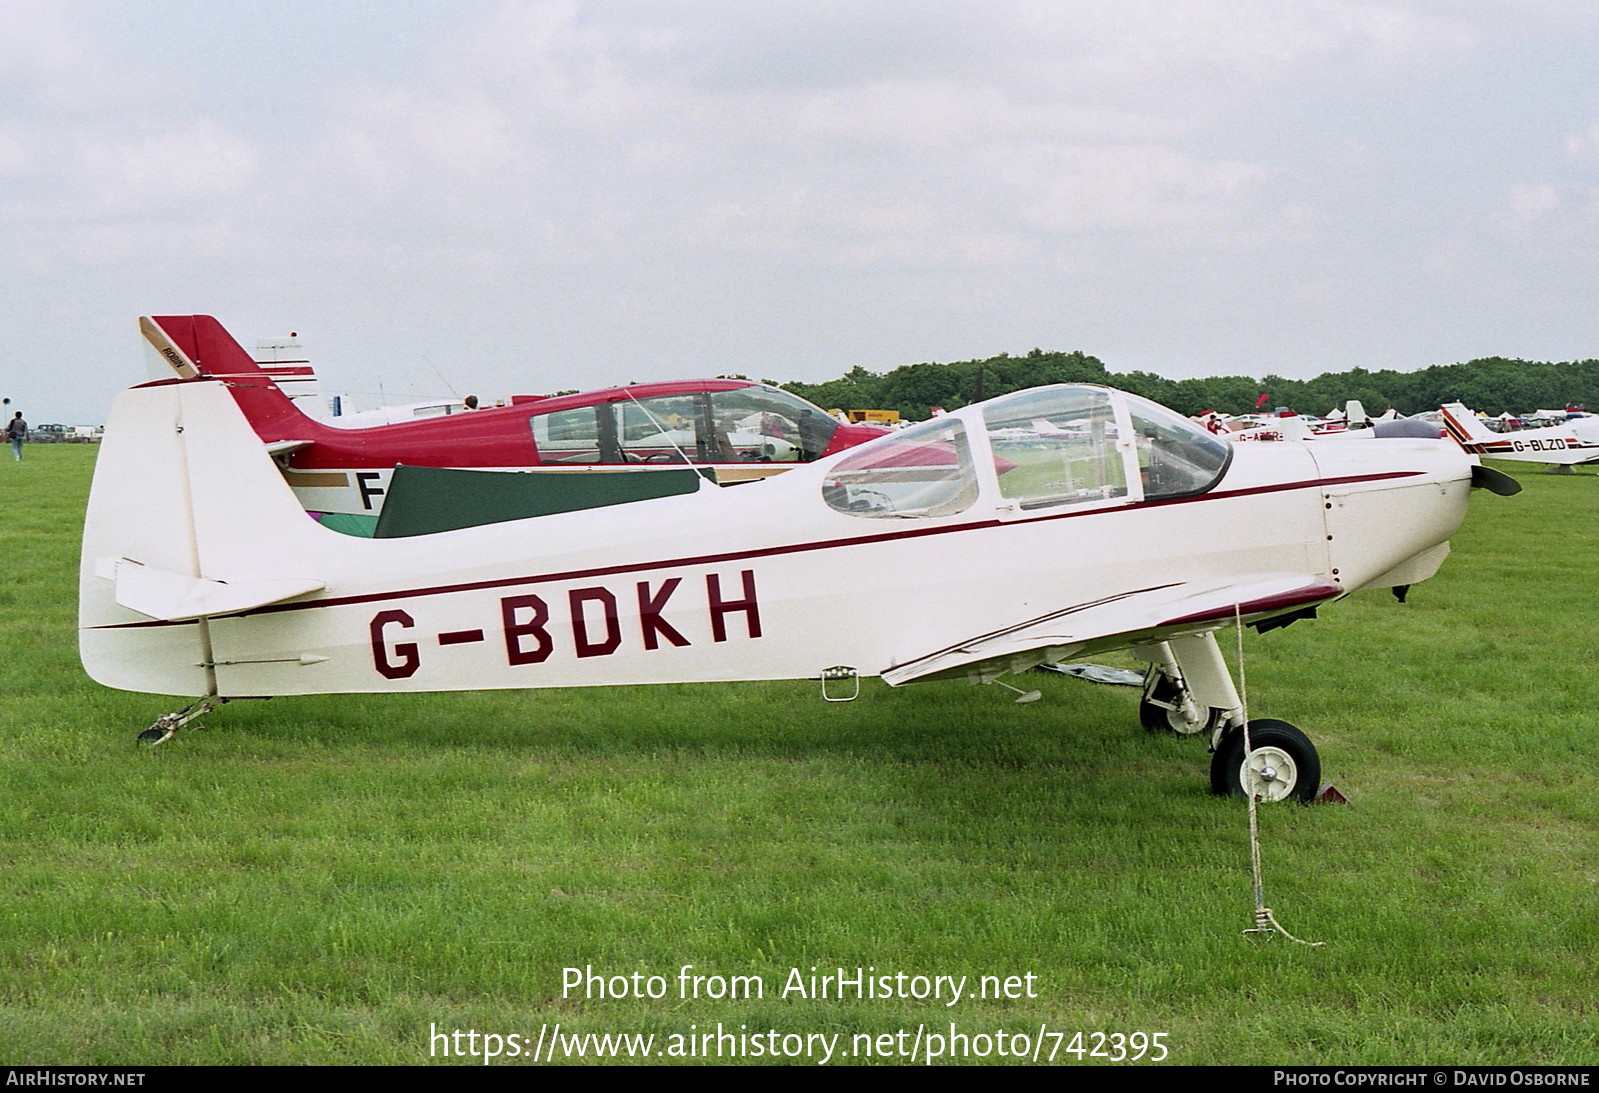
[{"x": 1049, "y": 447}]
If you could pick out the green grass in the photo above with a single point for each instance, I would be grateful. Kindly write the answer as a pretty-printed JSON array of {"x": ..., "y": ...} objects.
[{"x": 321, "y": 879}]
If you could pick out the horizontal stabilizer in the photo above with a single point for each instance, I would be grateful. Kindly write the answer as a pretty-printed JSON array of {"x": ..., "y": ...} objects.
[
  {"x": 173, "y": 597},
  {"x": 1117, "y": 622}
]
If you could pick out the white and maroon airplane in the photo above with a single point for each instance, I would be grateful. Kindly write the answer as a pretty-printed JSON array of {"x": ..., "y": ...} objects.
[
  {"x": 744, "y": 430},
  {"x": 1043, "y": 525},
  {"x": 1564, "y": 446}
]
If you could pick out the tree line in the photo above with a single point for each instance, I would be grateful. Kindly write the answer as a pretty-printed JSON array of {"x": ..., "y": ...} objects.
[{"x": 1492, "y": 385}]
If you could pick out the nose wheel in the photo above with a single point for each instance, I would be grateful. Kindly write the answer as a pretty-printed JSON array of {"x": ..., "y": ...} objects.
[{"x": 1281, "y": 764}]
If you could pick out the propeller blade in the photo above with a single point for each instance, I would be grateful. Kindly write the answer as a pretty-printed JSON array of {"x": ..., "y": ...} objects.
[{"x": 1494, "y": 481}]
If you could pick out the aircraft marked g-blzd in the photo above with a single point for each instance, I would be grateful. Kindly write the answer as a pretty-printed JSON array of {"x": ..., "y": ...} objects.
[
  {"x": 1565, "y": 445},
  {"x": 1041, "y": 525},
  {"x": 746, "y": 430}
]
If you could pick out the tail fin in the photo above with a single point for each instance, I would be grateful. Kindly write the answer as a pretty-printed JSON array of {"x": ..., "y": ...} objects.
[
  {"x": 1466, "y": 427},
  {"x": 197, "y": 345},
  {"x": 1293, "y": 428},
  {"x": 188, "y": 518}
]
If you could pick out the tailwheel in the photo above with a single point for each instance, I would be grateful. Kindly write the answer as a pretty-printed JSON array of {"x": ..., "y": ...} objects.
[
  {"x": 167, "y": 724},
  {"x": 1282, "y": 763},
  {"x": 1161, "y": 708}
]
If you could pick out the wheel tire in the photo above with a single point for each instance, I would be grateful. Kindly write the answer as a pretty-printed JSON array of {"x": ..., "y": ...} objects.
[
  {"x": 1156, "y": 717},
  {"x": 1282, "y": 763}
]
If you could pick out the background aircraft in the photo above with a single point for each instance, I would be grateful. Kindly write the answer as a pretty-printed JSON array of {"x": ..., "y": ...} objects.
[
  {"x": 1350, "y": 423},
  {"x": 1037, "y": 527},
  {"x": 1564, "y": 445},
  {"x": 744, "y": 430}
]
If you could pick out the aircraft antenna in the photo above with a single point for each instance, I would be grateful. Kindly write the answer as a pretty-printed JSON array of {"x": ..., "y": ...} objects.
[
  {"x": 442, "y": 379},
  {"x": 661, "y": 426},
  {"x": 1266, "y": 923}
]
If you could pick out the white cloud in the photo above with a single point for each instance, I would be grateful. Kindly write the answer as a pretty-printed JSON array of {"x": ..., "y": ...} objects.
[
  {"x": 152, "y": 243},
  {"x": 183, "y": 162},
  {"x": 1243, "y": 41},
  {"x": 584, "y": 133},
  {"x": 390, "y": 134},
  {"x": 934, "y": 115},
  {"x": 1129, "y": 187},
  {"x": 856, "y": 175},
  {"x": 48, "y": 58},
  {"x": 15, "y": 156},
  {"x": 1527, "y": 203},
  {"x": 1583, "y": 145}
]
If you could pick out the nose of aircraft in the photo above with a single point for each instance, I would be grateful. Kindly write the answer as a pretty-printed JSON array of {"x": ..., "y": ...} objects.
[{"x": 1391, "y": 506}]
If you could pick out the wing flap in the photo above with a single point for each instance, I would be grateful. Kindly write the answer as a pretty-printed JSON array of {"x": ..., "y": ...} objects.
[{"x": 1147, "y": 614}]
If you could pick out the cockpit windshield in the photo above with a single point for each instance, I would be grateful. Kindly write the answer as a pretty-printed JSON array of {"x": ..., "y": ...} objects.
[
  {"x": 1056, "y": 446},
  {"x": 768, "y": 425},
  {"x": 924, "y": 471},
  {"x": 1051, "y": 446},
  {"x": 1176, "y": 457},
  {"x": 1065, "y": 445},
  {"x": 754, "y": 424}
]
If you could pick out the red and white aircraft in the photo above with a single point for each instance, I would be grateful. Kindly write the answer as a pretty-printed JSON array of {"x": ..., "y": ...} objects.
[
  {"x": 1565, "y": 445},
  {"x": 745, "y": 430},
  {"x": 1040, "y": 526}
]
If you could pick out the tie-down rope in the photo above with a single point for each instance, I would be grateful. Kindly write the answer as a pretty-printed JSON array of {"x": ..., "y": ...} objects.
[{"x": 1266, "y": 923}]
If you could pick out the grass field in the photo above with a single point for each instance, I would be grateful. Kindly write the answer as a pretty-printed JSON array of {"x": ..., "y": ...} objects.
[{"x": 323, "y": 880}]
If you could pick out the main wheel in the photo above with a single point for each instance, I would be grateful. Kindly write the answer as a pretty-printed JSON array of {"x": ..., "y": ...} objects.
[
  {"x": 1158, "y": 712},
  {"x": 1281, "y": 764}
]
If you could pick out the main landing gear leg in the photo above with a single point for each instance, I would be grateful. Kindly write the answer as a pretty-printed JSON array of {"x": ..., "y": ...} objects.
[
  {"x": 1189, "y": 690},
  {"x": 164, "y": 726}
]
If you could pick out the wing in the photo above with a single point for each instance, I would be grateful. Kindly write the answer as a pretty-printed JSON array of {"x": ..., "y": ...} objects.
[{"x": 1117, "y": 622}]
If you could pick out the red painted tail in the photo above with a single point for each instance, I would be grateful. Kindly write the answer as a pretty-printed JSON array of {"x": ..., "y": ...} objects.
[{"x": 198, "y": 345}]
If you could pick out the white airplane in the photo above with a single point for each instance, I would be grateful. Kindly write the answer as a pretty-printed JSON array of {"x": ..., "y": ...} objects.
[
  {"x": 1564, "y": 445},
  {"x": 1350, "y": 423},
  {"x": 989, "y": 543}
]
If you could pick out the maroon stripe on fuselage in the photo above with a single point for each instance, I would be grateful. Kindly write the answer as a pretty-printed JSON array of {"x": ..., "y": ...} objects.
[{"x": 774, "y": 551}]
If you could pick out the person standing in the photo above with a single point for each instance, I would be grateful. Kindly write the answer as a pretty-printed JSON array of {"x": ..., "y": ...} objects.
[{"x": 17, "y": 432}]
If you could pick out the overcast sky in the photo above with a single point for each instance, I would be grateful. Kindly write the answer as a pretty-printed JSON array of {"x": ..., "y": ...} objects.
[{"x": 519, "y": 197}]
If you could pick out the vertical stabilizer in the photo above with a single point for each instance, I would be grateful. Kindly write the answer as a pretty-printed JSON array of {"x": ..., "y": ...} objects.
[
  {"x": 198, "y": 345},
  {"x": 1465, "y": 426},
  {"x": 182, "y": 363},
  {"x": 188, "y": 517},
  {"x": 139, "y": 516}
]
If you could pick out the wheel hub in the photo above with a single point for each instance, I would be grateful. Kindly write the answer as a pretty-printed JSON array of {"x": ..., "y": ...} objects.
[
  {"x": 1181, "y": 725},
  {"x": 1269, "y": 773}
]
